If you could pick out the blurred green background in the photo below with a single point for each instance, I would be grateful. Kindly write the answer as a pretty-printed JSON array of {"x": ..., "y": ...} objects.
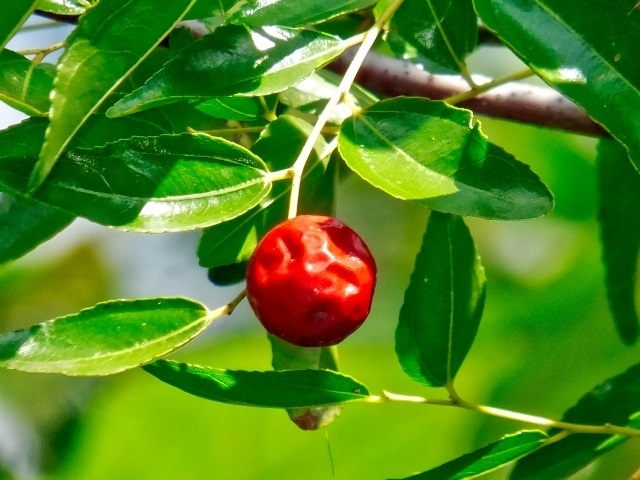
[{"x": 546, "y": 338}]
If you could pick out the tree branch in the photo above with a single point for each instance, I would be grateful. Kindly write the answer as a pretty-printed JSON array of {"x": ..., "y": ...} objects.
[{"x": 519, "y": 102}]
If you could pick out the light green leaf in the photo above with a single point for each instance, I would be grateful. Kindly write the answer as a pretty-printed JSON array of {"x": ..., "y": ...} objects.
[
  {"x": 587, "y": 52},
  {"x": 14, "y": 14},
  {"x": 257, "y": 13},
  {"x": 443, "y": 31},
  {"x": 105, "y": 339},
  {"x": 279, "y": 145},
  {"x": 619, "y": 217},
  {"x": 25, "y": 85},
  {"x": 111, "y": 39},
  {"x": 241, "y": 109},
  {"x": 25, "y": 224},
  {"x": 487, "y": 459},
  {"x": 436, "y": 156},
  {"x": 443, "y": 304},
  {"x": 148, "y": 184},
  {"x": 285, "y": 389},
  {"x": 615, "y": 401},
  {"x": 235, "y": 61},
  {"x": 63, "y": 7}
]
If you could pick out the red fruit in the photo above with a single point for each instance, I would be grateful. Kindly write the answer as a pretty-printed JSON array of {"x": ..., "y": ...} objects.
[{"x": 310, "y": 281}]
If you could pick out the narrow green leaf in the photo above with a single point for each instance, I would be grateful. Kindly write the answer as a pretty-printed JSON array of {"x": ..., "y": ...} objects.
[
  {"x": 25, "y": 224},
  {"x": 111, "y": 39},
  {"x": 63, "y": 7},
  {"x": 235, "y": 61},
  {"x": 258, "y": 13},
  {"x": 487, "y": 459},
  {"x": 279, "y": 145},
  {"x": 586, "y": 50},
  {"x": 615, "y": 401},
  {"x": 433, "y": 155},
  {"x": 619, "y": 217},
  {"x": 284, "y": 389},
  {"x": 105, "y": 339},
  {"x": 444, "y": 31},
  {"x": 14, "y": 14},
  {"x": 149, "y": 184},
  {"x": 443, "y": 304},
  {"x": 25, "y": 85}
]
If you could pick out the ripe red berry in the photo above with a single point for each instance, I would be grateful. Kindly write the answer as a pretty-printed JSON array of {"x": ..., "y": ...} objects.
[{"x": 310, "y": 281}]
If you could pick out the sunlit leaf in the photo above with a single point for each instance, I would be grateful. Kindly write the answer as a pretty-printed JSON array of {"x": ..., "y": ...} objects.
[
  {"x": 14, "y": 14},
  {"x": 111, "y": 39},
  {"x": 586, "y": 50},
  {"x": 63, "y": 7},
  {"x": 25, "y": 85},
  {"x": 443, "y": 305},
  {"x": 620, "y": 230},
  {"x": 235, "y": 61},
  {"x": 105, "y": 339},
  {"x": 148, "y": 184},
  {"x": 487, "y": 459},
  {"x": 436, "y": 156},
  {"x": 615, "y": 401},
  {"x": 257, "y": 13},
  {"x": 283, "y": 389},
  {"x": 444, "y": 31}
]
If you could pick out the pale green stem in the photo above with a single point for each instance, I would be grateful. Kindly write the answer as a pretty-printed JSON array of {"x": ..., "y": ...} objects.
[
  {"x": 485, "y": 87},
  {"x": 347, "y": 80},
  {"x": 227, "y": 309},
  {"x": 44, "y": 51}
]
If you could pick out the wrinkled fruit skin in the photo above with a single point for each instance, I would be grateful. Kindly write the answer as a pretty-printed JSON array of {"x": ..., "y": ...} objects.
[{"x": 310, "y": 281}]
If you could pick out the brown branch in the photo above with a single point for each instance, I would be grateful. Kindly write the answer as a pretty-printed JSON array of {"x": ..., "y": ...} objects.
[{"x": 519, "y": 102}]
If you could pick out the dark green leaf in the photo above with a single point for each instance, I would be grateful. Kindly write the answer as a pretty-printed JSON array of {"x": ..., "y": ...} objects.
[
  {"x": 587, "y": 50},
  {"x": 257, "y": 13},
  {"x": 111, "y": 39},
  {"x": 14, "y": 14},
  {"x": 616, "y": 401},
  {"x": 63, "y": 7},
  {"x": 147, "y": 184},
  {"x": 234, "y": 61},
  {"x": 436, "y": 156},
  {"x": 286, "y": 356},
  {"x": 619, "y": 187},
  {"x": 443, "y": 305},
  {"x": 443, "y": 31},
  {"x": 487, "y": 459},
  {"x": 25, "y": 85},
  {"x": 105, "y": 339},
  {"x": 241, "y": 109},
  {"x": 226, "y": 275},
  {"x": 279, "y": 145},
  {"x": 25, "y": 224},
  {"x": 284, "y": 389}
]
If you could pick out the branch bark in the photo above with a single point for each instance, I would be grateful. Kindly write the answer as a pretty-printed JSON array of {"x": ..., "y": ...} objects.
[{"x": 518, "y": 102}]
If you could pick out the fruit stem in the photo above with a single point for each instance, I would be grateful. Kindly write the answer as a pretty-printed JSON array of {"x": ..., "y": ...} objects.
[
  {"x": 368, "y": 40},
  {"x": 227, "y": 309}
]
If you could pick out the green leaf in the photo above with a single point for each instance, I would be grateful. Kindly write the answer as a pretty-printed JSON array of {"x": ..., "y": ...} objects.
[
  {"x": 443, "y": 31},
  {"x": 111, "y": 39},
  {"x": 443, "y": 304},
  {"x": 148, "y": 184},
  {"x": 487, "y": 459},
  {"x": 619, "y": 217},
  {"x": 587, "y": 53},
  {"x": 615, "y": 401},
  {"x": 14, "y": 14},
  {"x": 105, "y": 339},
  {"x": 235, "y": 61},
  {"x": 436, "y": 156},
  {"x": 285, "y": 389},
  {"x": 63, "y": 7},
  {"x": 279, "y": 145},
  {"x": 241, "y": 109},
  {"x": 25, "y": 224},
  {"x": 286, "y": 356},
  {"x": 25, "y": 85},
  {"x": 257, "y": 13}
]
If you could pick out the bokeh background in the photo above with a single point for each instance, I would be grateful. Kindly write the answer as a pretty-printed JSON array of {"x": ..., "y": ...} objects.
[{"x": 545, "y": 339}]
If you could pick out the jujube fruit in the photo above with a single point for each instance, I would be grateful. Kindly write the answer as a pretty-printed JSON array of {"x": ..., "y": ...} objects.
[{"x": 310, "y": 281}]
